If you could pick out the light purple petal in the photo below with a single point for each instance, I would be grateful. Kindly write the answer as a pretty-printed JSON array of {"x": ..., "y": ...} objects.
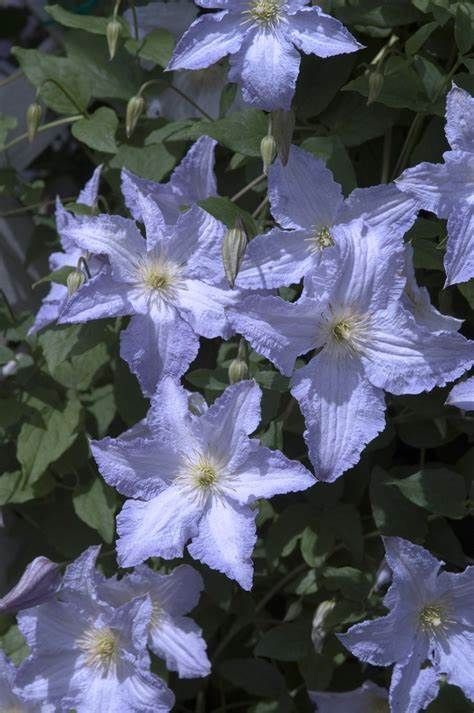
[
  {"x": 233, "y": 414},
  {"x": 210, "y": 37},
  {"x": 343, "y": 412},
  {"x": 157, "y": 528},
  {"x": 194, "y": 179},
  {"x": 203, "y": 307},
  {"x": 173, "y": 16},
  {"x": 413, "y": 688},
  {"x": 265, "y": 473},
  {"x": 37, "y": 584},
  {"x": 459, "y": 258},
  {"x": 177, "y": 592},
  {"x": 226, "y": 539},
  {"x": 279, "y": 330},
  {"x": 462, "y": 395},
  {"x": 460, "y": 119},
  {"x": 303, "y": 194},
  {"x": 385, "y": 209},
  {"x": 179, "y": 641},
  {"x": 98, "y": 298},
  {"x": 172, "y": 425},
  {"x": 88, "y": 195},
  {"x": 404, "y": 358},
  {"x": 314, "y": 32},
  {"x": 266, "y": 67},
  {"x": 279, "y": 257},
  {"x": 414, "y": 569},
  {"x": 158, "y": 344},
  {"x": 380, "y": 642}
]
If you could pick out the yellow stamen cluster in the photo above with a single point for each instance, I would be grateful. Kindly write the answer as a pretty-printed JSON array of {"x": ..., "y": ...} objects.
[
  {"x": 100, "y": 646},
  {"x": 265, "y": 12},
  {"x": 321, "y": 238},
  {"x": 431, "y": 617},
  {"x": 204, "y": 473},
  {"x": 156, "y": 276}
]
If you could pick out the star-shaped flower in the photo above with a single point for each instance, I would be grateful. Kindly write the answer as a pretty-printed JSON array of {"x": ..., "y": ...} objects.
[
  {"x": 89, "y": 655},
  {"x": 308, "y": 204},
  {"x": 172, "y": 284},
  {"x": 428, "y": 632},
  {"x": 369, "y": 698},
  {"x": 261, "y": 37},
  {"x": 351, "y": 315},
  {"x": 462, "y": 395},
  {"x": 195, "y": 478},
  {"x": 192, "y": 180},
  {"x": 448, "y": 189},
  {"x": 57, "y": 295}
]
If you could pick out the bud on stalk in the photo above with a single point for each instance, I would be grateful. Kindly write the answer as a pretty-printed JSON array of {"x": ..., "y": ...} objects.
[
  {"x": 33, "y": 118},
  {"x": 75, "y": 279},
  {"x": 238, "y": 367},
  {"x": 376, "y": 80},
  {"x": 233, "y": 250},
  {"x": 135, "y": 108},
  {"x": 268, "y": 150},
  {"x": 113, "y": 32},
  {"x": 319, "y": 629}
]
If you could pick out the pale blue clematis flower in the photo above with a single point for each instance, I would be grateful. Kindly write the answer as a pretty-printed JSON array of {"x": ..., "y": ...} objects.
[
  {"x": 462, "y": 395},
  {"x": 369, "y": 698}
]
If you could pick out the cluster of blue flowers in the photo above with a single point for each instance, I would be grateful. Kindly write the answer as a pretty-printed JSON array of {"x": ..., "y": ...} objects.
[{"x": 191, "y": 474}]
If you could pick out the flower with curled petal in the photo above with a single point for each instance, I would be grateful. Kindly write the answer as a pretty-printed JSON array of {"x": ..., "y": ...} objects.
[{"x": 428, "y": 632}]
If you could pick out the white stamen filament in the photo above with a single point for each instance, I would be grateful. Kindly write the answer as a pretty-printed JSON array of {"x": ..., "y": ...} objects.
[
  {"x": 264, "y": 12},
  {"x": 100, "y": 646}
]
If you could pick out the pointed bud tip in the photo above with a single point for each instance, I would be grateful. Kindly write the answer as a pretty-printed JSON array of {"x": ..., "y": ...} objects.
[
  {"x": 233, "y": 251},
  {"x": 33, "y": 118},
  {"x": 113, "y": 32},
  {"x": 135, "y": 108},
  {"x": 268, "y": 151},
  {"x": 74, "y": 281}
]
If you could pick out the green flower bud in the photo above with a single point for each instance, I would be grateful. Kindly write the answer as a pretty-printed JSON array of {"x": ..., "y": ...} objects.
[
  {"x": 135, "y": 108},
  {"x": 33, "y": 118},
  {"x": 320, "y": 628},
  {"x": 268, "y": 150},
  {"x": 376, "y": 80},
  {"x": 113, "y": 32},
  {"x": 233, "y": 250},
  {"x": 75, "y": 279},
  {"x": 238, "y": 367}
]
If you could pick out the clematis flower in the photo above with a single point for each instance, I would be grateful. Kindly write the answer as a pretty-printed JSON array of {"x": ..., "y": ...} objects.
[
  {"x": 88, "y": 655},
  {"x": 195, "y": 478},
  {"x": 448, "y": 189},
  {"x": 172, "y": 636},
  {"x": 308, "y": 204},
  {"x": 10, "y": 697},
  {"x": 351, "y": 314},
  {"x": 38, "y": 583},
  {"x": 261, "y": 37},
  {"x": 428, "y": 632},
  {"x": 462, "y": 395},
  {"x": 369, "y": 698},
  {"x": 57, "y": 295},
  {"x": 191, "y": 181},
  {"x": 172, "y": 285}
]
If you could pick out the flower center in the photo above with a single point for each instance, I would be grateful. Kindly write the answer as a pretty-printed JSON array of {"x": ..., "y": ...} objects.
[
  {"x": 156, "y": 613},
  {"x": 431, "y": 617},
  {"x": 100, "y": 646},
  {"x": 265, "y": 12},
  {"x": 205, "y": 474},
  {"x": 158, "y": 275},
  {"x": 346, "y": 331},
  {"x": 342, "y": 330},
  {"x": 320, "y": 239}
]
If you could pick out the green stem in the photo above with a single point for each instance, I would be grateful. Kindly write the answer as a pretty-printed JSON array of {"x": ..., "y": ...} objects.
[
  {"x": 248, "y": 187},
  {"x": 167, "y": 85},
  {"x": 11, "y": 78},
  {"x": 26, "y": 208},
  {"x": 135, "y": 19},
  {"x": 44, "y": 127}
]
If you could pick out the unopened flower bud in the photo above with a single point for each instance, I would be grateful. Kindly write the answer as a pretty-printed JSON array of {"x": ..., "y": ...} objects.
[
  {"x": 319, "y": 628},
  {"x": 135, "y": 108},
  {"x": 238, "y": 367},
  {"x": 113, "y": 32},
  {"x": 37, "y": 584},
  {"x": 233, "y": 250},
  {"x": 268, "y": 150},
  {"x": 33, "y": 118},
  {"x": 75, "y": 279},
  {"x": 197, "y": 404},
  {"x": 375, "y": 86}
]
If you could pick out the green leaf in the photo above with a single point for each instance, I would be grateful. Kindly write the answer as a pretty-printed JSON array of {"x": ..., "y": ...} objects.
[
  {"x": 57, "y": 343},
  {"x": 152, "y": 162},
  {"x": 157, "y": 47},
  {"x": 353, "y": 583},
  {"x": 76, "y": 21},
  {"x": 467, "y": 290},
  {"x": 418, "y": 39},
  {"x": 11, "y": 410},
  {"x": 376, "y": 13},
  {"x": 14, "y": 489},
  {"x": 51, "y": 430},
  {"x": 7, "y": 123},
  {"x": 95, "y": 505},
  {"x": 98, "y": 131},
  {"x": 259, "y": 678},
  {"x": 354, "y": 122},
  {"x": 287, "y": 642},
  {"x": 439, "y": 490},
  {"x": 331, "y": 150},
  {"x": 59, "y": 276},
  {"x": 464, "y": 27},
  {"x": 131, "y": 404},
  {"x": 393, "y": 513},
  {"x": 224, "y": 210},
  {"x": 103, "y": 407},
  {"x": 71, "y": 93}
]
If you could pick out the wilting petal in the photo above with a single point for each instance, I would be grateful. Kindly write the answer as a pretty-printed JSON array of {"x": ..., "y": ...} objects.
[
  {"x": 226, "y": 540},
  {"x": 266, "y": 67},
  {"x": 462, "y": 395},
  {"x": 157, "y": 528},
  {"x": 459, "y": 258},
  {"x": 279, "y": 257},
  {"x": 314, "y": 32},
  {"x": 303, "y": 194},
  {"x": 158, "y": 344},
  {"x": 413, "y": 688},
  {"x": 37, "y": 584},
  {"x": 179, "y": 641},
  {"x": 459, "y": 116},
  {"x": 343, "y": 412},
  {"x": 210, "y": 37}
]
